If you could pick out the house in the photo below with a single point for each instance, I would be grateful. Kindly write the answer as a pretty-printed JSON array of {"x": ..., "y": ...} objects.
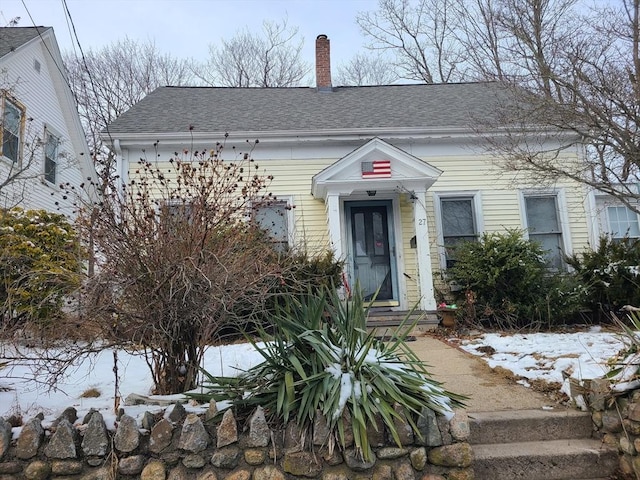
[
  {"x": 388, "y": 177},
  {"x": 43, "y": 144}
]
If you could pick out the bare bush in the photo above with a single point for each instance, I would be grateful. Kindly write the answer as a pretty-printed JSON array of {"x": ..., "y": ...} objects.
[{"x": 179, "y": 260}]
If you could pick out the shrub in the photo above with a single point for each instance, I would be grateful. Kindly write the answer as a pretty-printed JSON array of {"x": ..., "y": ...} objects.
[
  {"x": 610, "y": 274},
  {"x": 40, "y": 264},
  {"x": 320, "y": 358},
  {"x": 506, "y": 277},
  {"x": 180, "y": 263},
  {"x": 315, "y": 272}
]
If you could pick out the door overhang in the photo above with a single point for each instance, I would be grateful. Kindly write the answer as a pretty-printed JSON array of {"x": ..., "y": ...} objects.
[
  {"x": 346, "y": 177},
  {"x": 349, "y": 179}
]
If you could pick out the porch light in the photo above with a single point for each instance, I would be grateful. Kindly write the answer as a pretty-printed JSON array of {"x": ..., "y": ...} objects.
[{"x": 371, "y": 193}]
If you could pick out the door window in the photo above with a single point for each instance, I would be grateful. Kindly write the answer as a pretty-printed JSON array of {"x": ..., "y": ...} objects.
[{"x": 371, "y": 252}]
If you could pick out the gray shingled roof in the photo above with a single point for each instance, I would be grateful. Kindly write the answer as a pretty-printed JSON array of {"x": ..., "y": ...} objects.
[
  {"x": 218, "y": 109},
  {"x": 13, "y": 37}
]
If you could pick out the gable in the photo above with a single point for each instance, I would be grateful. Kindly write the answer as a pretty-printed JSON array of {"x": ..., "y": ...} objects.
[
  {"x": 35, "y": 77},
  {"x": 356, "y": 172},
  {"x": 12, "y": 38}
]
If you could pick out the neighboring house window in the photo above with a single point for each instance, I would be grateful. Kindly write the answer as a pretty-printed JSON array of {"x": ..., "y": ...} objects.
[
  {"x": 274, "y": 218},
  {"x": 12, "y": 126},
  {"x": 458, "y": 224},
  {"x": 51, "y": 157},
  {"x": 623, "y": 222},
  {"x": 543, "y": 226},
  {"x": 176, "y": 216}
]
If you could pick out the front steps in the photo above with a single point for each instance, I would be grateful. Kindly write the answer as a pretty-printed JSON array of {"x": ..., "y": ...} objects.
[
  {"x": 385, "y": 321},
  {"x": 538, "y": 445}
]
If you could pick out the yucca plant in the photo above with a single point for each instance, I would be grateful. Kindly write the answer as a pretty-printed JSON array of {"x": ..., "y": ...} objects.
[
  {"x": 625, "y": 366},
  {"x": 320, "y": 358}
]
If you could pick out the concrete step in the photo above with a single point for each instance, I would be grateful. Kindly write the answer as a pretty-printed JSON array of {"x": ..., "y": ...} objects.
[
  {"x": 564, "y": 459},
  {"x": 528, "y": 426},
  {"x": 385, "y": 322}
]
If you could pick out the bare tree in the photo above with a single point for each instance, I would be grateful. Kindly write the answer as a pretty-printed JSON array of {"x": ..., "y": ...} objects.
[
  {"x": 574, "y": 82},
  {"x": 571, "y": 74},
  {"x": 419, "y": 35},
  {"x": 272, "y": 59},
  {"x": 108, "y": 81},
  {"x": 365, "y": 69}
]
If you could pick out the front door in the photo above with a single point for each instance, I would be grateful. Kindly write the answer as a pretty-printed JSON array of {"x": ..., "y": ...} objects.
[{"x": 372, "y": 250}]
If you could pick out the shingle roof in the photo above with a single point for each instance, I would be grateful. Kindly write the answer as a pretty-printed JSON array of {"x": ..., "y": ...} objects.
[
  {"x": 219, "y": 109},
  {"x": 13, "y": 37}
]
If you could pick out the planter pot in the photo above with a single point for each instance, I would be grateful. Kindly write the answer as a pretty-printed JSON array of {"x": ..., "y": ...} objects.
[{"x": 448, "y": 317}]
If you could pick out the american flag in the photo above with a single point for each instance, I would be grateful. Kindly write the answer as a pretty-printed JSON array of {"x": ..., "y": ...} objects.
[{"x": 376, "y": 169}]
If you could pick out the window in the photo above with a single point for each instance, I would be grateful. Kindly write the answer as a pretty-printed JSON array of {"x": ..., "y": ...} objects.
[
  {"x": 176, "y": 216},
  {"x": 274, "y": 219},
  {"x": 623, "y": 222},
  {"x": 51, "y": 157},
  {"x": 458, "y": 224},
  {"x": 12, "y": 122},
  {"x": 543, "y": 226}
]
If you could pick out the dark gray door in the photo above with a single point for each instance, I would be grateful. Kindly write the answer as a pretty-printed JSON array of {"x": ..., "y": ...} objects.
[{"x": 372, "y": 251}]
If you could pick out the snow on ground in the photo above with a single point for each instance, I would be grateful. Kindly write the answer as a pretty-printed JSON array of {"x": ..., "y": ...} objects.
[
  {"x": 535, "y": 356},
  {"x": 19, "y": 394},
  {"x": 546, "y": 356}
]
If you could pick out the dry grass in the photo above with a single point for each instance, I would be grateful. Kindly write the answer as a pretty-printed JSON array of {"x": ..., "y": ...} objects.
[{"x": 91, "y": 393}]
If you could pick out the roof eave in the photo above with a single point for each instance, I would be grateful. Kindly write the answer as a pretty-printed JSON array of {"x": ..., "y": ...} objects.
[
  {"x": 324, "y": 135},
  {"x": 290, "y": 135}
]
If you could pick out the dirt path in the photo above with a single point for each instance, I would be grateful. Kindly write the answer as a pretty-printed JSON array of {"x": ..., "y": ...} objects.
[{"x": 466, "y": 374}]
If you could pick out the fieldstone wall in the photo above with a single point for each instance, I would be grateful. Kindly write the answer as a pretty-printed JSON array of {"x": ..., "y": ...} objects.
[
  {"x": 617, "y": 419},
  {"x": 185, "y": 446}
]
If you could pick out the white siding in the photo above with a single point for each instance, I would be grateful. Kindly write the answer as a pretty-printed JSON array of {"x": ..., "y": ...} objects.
[{"x": 37, "y": 93}]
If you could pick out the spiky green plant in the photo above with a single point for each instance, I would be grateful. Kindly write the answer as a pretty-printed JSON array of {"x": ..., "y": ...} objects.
[
  {"x": 625, "y": 366},
  {"x": 320, "y": 358}
]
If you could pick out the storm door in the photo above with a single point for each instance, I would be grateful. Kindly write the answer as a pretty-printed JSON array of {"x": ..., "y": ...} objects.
[{"x": 372, "y": 251}]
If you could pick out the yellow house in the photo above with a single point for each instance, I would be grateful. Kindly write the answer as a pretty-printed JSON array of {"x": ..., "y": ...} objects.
[{"x": 387, "y": 177}]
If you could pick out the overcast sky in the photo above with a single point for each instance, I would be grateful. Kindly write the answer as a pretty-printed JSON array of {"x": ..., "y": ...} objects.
[{"x": 185, "y": 28}]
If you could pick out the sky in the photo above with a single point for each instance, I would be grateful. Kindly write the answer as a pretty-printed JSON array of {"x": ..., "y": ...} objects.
[
  {"x": 539, "y": 356},
  {"x": 186, "y": 28}
]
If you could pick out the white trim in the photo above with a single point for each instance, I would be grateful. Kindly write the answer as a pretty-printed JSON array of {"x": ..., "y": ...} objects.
[
  {"x": 291, "y": 218},
  {"x": 423, "y": 254},
  {"x": 335, "y": 219},
  {"x": 453, "y": 134},
  {"x": 395, "y": 238},
  {"x": 603, "y": 224},
  {"x": 562, "y": 211},
  {"x": 49, "y": 130},
  {"x": 476, "y": 198},
  {"x": 345, "y": 176}
]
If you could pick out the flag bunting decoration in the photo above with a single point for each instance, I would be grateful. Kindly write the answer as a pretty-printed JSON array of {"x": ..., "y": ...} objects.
[{"x": 376, "y": 169}]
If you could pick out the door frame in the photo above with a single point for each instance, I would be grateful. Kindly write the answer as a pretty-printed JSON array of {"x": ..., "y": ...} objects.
[{"x": 395, "y": 301}]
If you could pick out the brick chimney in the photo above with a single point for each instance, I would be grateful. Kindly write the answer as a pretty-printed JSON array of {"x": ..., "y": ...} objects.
[{"x": 323, "y": 64}]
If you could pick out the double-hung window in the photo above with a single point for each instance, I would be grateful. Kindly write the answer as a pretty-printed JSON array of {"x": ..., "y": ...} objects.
[
  {"x": 623, "y": 222},
  {"x": 12, "y": 127},
  {"x": 458, "y": 224},
  {"x": 51, "y": 145},
  {"x": 274, "y": 218},
  {"x": 544, "y": 227},
  {"x": 176, "y": 216}
]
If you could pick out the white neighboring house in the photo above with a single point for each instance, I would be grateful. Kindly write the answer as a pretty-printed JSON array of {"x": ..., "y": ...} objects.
[{"x": 43, "y": 145}]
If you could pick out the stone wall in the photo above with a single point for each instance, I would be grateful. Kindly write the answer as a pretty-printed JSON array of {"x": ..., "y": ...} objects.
[
  {"x": 182, "y": 446},
  {"x": 617, "y": 420}
]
